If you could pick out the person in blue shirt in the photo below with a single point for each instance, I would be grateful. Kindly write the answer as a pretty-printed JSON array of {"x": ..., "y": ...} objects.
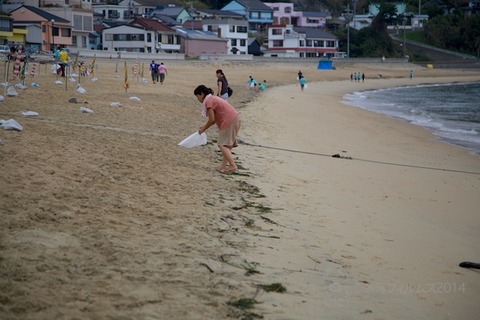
[{"x": 303, "y": 82}]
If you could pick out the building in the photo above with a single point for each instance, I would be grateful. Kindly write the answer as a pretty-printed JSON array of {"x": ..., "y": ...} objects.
[
  {"x": 258, "y": 14},
  {"x": 129, "y": 38},
  {"x": 300, "y": 42},
  {"x": 284, "y": 13},
  {"x": 227, "y": 25},
  {"x": 80, "y": 15},
  {"x": 197, "y": 42},
  {"x": 45, "y": 31},
  {"x": 166, "y": 38}
]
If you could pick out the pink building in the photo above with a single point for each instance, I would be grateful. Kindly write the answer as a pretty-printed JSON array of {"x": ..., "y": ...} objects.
[{"x": 284, "y": 13}]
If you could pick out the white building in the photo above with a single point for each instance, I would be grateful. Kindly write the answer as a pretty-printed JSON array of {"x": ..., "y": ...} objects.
[
  {"x": 227, "y": 25},
  {"x": 300, "y": 42},
  {"x": 129, "y": 38}
]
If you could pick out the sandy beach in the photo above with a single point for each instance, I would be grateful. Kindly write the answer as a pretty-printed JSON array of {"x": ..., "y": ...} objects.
[{"x": 105, "y": 217}]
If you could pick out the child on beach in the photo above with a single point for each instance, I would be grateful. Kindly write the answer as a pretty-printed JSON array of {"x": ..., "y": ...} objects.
[
  {"x": 227, "y": 119},
  {"x": 303, "y": 82}
]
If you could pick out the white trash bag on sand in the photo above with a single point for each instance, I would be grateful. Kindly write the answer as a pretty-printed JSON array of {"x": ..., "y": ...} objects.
[
  {"x": 86, "y": 110},
  {"x": 194, "y": 140},
  {"x": 11, "y": 92},
  {"x": 134, "y": 99},
  {"x": 30, "y": 113},
  {"x": 12, "y": 125}
]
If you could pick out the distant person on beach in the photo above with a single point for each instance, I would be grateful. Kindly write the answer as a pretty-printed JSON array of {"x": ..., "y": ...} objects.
[
  {"x": 63, "y": 60},
  {"x": 222, "y": 85},
  {"x": 154, "y": 71},
  {"x": 363, "y": 77},
  {"x": 302, "y": 82},
  {"x": 227, "y": 119},
  {"x": 411, "y": 74},
  {"x": 299, "y": 75},
  {"x": 263, "y": 85},
  {"x": 252, "y": 83},
  {"x": 351, "y": 77},
  {"x": 162, "y": 71}
]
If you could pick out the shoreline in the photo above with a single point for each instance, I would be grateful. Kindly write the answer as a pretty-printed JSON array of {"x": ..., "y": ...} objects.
[{"x": 473, "y": 148}]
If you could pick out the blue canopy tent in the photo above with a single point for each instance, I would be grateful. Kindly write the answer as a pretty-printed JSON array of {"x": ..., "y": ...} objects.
[{"x": 324, "y": 65}]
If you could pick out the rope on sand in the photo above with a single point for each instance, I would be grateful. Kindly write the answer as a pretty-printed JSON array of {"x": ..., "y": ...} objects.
[{"x": 358, "y": 159}]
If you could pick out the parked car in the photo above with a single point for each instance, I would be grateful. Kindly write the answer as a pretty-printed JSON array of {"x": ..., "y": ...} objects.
[{"x": 4, "y": 49}]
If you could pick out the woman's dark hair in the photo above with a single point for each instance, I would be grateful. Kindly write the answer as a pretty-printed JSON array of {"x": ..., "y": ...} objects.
[
  {"x": 221, "y": 72},
  {"x": 202, "y": 89}
]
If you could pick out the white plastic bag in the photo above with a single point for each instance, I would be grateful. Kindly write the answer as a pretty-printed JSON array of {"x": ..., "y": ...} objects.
[
  {"x": 12, "y": 125},
  {"x": 86, "y": 110},
  {"x": 11, "y": 92},
  {"x": 30, "y": 114},
  {"x": 194, "y": 140}
]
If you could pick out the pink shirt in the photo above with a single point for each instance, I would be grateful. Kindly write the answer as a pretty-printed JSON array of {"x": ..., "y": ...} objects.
[
  {"x": 224, "y": 112},
  {"x": 161, "y": 68}
]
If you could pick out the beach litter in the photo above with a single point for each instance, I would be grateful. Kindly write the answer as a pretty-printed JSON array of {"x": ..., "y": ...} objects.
[
  {"x": 2, "y": 98},
  {"x": 10, "y": 124},
  {"x": 116, "y": 104},
  {"x": 30, "y": 113},
  {"x": 81, "y": 89},
  {"x": 11, "y": 92},
  {"x": 86, "y": 110},
  {"x": 58, "y": 82},
  {"x": 135, "y": 99},
  {"x": 35, "y": 85},
  {"x": 20, "y": 86},
  {"x": 194, "y": 140}
]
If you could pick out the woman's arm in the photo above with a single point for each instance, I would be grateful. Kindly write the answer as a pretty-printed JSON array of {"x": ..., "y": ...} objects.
[{"x": 210, "y": 121}]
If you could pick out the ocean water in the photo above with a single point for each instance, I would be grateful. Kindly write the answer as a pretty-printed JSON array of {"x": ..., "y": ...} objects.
[{"x": 450, "y": 111}]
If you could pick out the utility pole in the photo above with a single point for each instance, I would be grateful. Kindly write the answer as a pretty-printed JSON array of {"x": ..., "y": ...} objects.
[{"x": 348, "y": 30}]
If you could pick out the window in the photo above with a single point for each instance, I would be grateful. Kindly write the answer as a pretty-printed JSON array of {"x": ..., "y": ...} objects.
[
  {"x": 171, "y": 39},
  {"x": 243, "y": 42},
  {"x": 242, "y": 29},
  {"x": 234, "y": 42},
  {"x": 276, "y": 9},
  {"x": 312, "y": 21},
  {"x": 77, "y": 22},
  {"x": 288, "y": 10},
  {"x": 55, "y": 31},
  {"x": 318, "y": 43},
  {"x": 65, "y": 32},
  {"x": 308, "y": 43},
  {"x": 74, "y": 41},
  {"x": 302, "y": 43},
  {"x": 278, "y": 43},
  {"x": 87, "y": 23},
  {"x": 277, "y": 32},
  {"x": 128, "y": 37},
  {"x": 232, "y": 28},
  {"x": 330, "y": 44},
  {"x": 149, "y": 37},
  {"x": 84, "y": 41}
]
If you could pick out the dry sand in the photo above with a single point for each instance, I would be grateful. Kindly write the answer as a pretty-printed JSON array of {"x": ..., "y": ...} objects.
[{"x": 105, "y": 217}]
